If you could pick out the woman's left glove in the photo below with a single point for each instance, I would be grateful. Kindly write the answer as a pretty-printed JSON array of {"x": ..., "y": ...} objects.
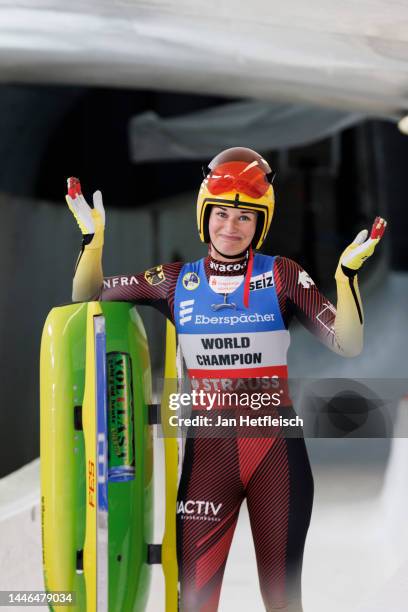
[{"x": 360, "y": 249}]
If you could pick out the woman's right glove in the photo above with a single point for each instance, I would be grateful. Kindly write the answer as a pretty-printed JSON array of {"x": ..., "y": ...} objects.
[{"x": 91, "y": 221}]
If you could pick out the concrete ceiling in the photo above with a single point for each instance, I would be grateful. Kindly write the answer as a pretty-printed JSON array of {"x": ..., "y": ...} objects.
[{"x": 350, "y": 55}]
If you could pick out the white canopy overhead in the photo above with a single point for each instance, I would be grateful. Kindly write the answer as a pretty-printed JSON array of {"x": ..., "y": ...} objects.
[
  {"x": 350, "y": 55},
  {"x": 260, "y": 125}
]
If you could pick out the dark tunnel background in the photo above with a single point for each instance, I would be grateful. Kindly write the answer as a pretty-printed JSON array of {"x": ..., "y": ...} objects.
[{"x": 50, "y": 133}]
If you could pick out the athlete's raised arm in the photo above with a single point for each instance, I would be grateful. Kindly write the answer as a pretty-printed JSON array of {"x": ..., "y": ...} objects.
[
  {"x": 340, "y": 328},
  {"x": 154, "y": 287},
  {"x": 349, "y": 321}
]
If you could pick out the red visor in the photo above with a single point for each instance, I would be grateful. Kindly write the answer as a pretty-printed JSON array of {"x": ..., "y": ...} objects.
[{"x": 247, "y": 178}]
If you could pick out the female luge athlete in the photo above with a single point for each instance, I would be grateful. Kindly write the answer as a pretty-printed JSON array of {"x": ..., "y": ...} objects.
[{"x": 232, "y": 311}]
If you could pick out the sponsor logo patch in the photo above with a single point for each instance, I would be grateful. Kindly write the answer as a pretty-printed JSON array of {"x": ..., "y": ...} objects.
[
  {"x": 305, "y": 280},
  {"x": 225, "y": 284},
  {"x": 228, "y": 267},
  {"x": 155, "y": 276},
  {"x": 186, "y": 309},
  {"x": 232, "y": 320},
  {"x": 261, "y": 281},
  {"x": 191, "y": 281},
  {"x": 198, "y": 510},
  {"x": 123, "y": 281}
]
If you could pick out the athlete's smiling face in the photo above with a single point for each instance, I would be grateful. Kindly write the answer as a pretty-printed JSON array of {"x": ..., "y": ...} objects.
[{"x": 231, "y": 230}]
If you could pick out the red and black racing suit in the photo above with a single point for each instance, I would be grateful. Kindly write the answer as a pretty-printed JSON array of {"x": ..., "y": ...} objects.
[{"x": 272, "y": 473}]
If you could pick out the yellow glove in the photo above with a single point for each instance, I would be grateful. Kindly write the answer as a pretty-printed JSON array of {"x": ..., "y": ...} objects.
[
  {"x": 91, "y": 221},
  {"x": 359, "y": 250}
]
